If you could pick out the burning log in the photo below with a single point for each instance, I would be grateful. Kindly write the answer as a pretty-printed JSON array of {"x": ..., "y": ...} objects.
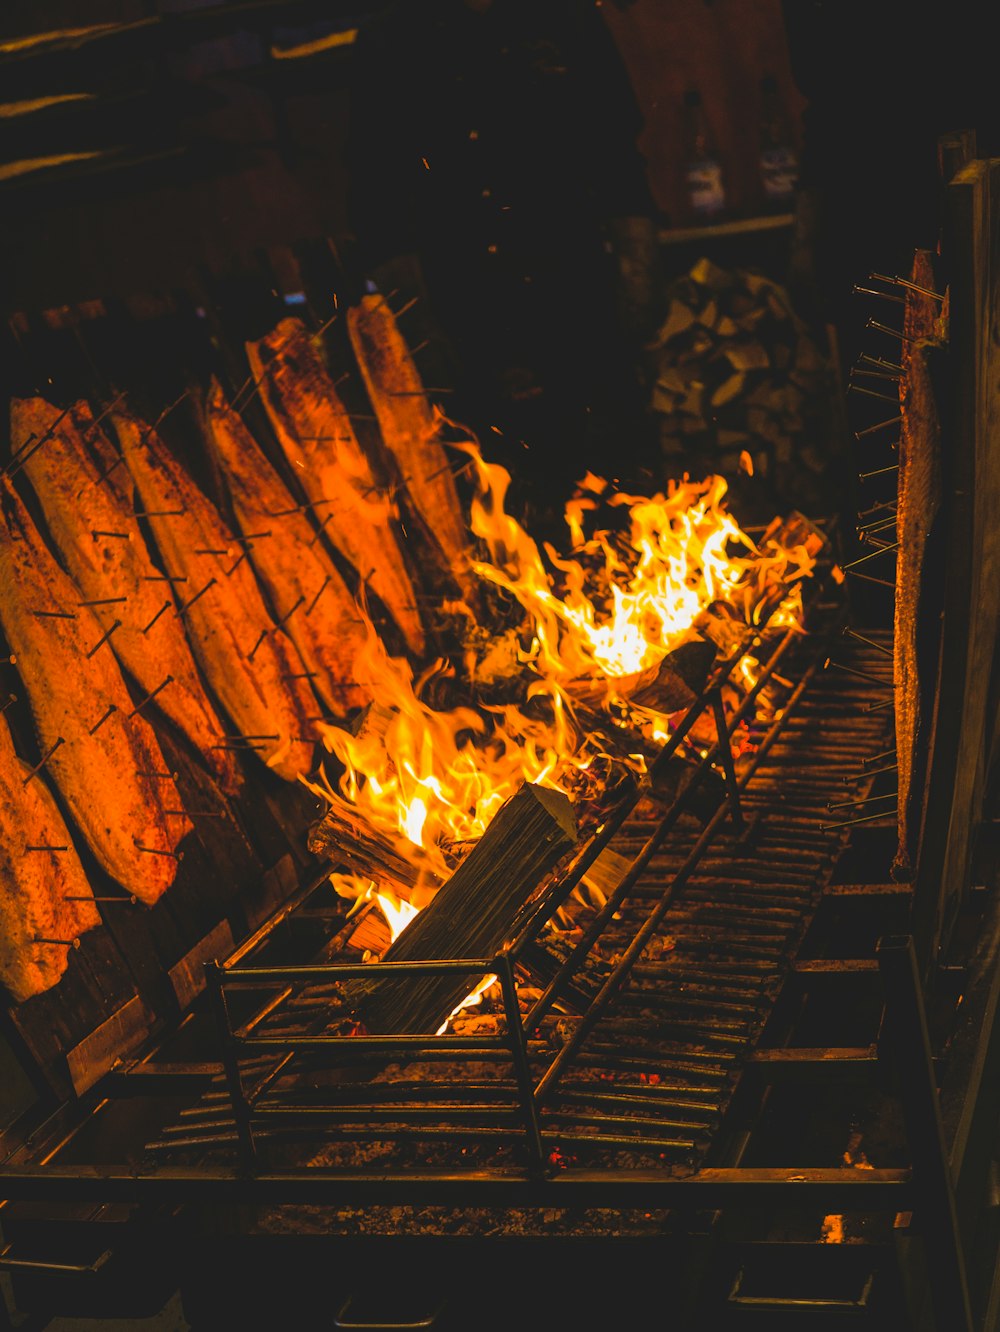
[
  {"x": 472, "y": 915},
  {"x": 676, "y": 681},
  {"x": 344, "y": 835}
]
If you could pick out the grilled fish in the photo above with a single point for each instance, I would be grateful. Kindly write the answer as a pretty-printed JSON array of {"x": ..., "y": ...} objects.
[
  {"x": 411, "y": 432},
  {"x": 250, "y": 664},
  {"x": 310, "y": 598},
  {"x": 42, "y": 877},
  {"x": 316, "y": 436},
  {"x": 99, "y": 750},
  {"x": 99, "y": 541}
]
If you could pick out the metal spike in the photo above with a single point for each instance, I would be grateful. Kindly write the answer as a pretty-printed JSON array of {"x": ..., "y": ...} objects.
[
  {"x": 867, "y": 800},
  {"x": 870, "y": 393},
  {"x": 155, "y": 851},
  {"x": 869, "y": 642},
  {"x": 115, "y": 624},
  {"x": 893, "y": 332},
  {"x": 879, "y": 425},
  {"x": 182, "y": 610},
  {"x": 849, "y": 823},
  {"x": 166, "y": 606},
  {"x": 864, "y": 675},
  {"x": 288, "y": 614},
  {"x": 42, "y": 761},
  {"x": 905, "y": 282},
  {"x": 130, "y": 900},
  {"x": 149, "y": 697},
  {"x": 870, "y": 556},
  {"x": 110, "y": 713}
]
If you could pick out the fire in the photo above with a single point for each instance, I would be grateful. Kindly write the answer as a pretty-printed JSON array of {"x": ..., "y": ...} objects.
[
  {"x": 626, "y": 595},
  {"x": 435, "y": 779},
  {"x": 623, "y": 599}
]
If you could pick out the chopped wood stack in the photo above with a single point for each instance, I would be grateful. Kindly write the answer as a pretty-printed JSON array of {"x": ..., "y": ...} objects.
[{"x": 737, "y": 373}]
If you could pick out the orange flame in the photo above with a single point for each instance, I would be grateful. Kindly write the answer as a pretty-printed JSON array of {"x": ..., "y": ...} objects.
[
  {"x": 629, "y": 598},
  {"x": 432, "y": 780}
]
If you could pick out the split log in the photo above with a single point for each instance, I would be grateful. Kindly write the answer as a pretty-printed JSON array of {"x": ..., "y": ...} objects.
[
  {"x": 473, "y": 914},
  {"x": 344, "y": 835},
  {"x": 675, "y": 682}
]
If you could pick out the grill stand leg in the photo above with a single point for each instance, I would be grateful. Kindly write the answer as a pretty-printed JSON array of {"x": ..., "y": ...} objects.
[{"x": 906, "y": 1043}]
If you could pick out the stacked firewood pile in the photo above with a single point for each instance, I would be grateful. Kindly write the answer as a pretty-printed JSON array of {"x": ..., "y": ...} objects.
[{"x": 741, "y": 388}]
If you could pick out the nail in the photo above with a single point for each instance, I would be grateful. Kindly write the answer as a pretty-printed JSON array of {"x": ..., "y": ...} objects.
[
  {"x": 42, "y": 761},
  {"x": 870, "y": 556},
  {"x": 884, "y": 328},
  {"x": 864, "y": 675},
  {"x": 885, "y": 295},
  {"x": 868, "y": 800},
  {"x": 869, "y": 642},
  {"x": 905, "y": 282},
  {"x": 849, "y": 823},
  {"x": 130, "y": 900},
  {"x": 870, "y": 393},
  {"x": 880, "y": 425},
  {"x": 166, "y": 606},
  {"x": 94, "y": 729},
  {"x": 155, "y": 851},
  {"x": 181, "y": 610},
  {"x": 149, "y": 697},
  {"x": 116, "y": 624},
  {"x": 312, "y": 604},
  {"x": 288, "y": 614}
]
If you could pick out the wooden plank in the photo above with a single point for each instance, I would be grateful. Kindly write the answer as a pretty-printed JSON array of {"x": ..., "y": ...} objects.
[
  {"x": 819, "y": 1064},
  {"x": 971, "y": 557},
  {"x": 94, "y": 1056},
  {"x": 188, "y": 975},
  {"x": 97, "y": 983}
]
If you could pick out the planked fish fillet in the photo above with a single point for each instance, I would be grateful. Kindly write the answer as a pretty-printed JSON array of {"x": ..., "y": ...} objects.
[
  {"x": 411, "y": 431},
  {"x": 117, "y": 570},
  {"x": 316, "y": 436},
  {"x": 98, "y": 748},
  {"x": 251, "y": 665},
  {"x": 307, "y": 592},
  {"x": 41, "y": 876}
]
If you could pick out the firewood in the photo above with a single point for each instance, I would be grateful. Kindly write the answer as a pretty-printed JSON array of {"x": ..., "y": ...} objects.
[
  {"x": 345, "y": 836},
  {"x": 675, "y": 682},
  {"x": 473, "y": 914}
]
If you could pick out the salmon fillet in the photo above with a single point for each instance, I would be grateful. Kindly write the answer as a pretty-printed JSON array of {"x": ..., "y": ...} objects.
[
  {"x": 316, "y": 436},
  {"x": 411, "y": 432},
  {"x": 250, "y": 664},
  {"x": 41, "y": 875},
  {"x": 117, "y": 571},
  {"x": 101, "y": 753},
  {"x": 307, "y": 592}
]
